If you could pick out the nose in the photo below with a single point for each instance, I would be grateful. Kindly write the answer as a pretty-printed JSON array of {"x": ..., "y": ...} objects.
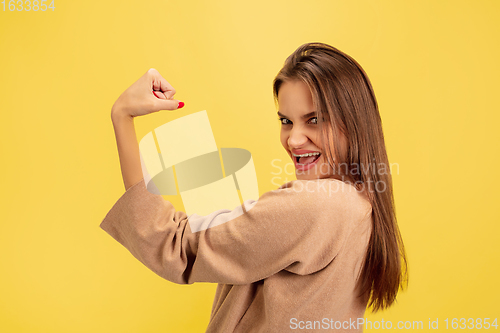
[{"x": 297, "y": 138}]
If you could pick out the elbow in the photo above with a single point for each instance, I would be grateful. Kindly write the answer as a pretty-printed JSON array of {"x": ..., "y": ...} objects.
[{"x": 171, "y": 259}]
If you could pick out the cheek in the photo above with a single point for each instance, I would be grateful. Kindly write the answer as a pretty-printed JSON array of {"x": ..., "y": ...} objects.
[{"x": 315, "y": 137}]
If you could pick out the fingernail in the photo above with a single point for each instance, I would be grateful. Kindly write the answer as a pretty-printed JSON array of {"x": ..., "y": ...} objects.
[
  {"x": 181, "y": 104},
  {"x": 155, "y": 94}
]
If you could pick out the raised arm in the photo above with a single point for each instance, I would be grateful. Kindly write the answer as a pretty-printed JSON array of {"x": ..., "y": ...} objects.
[
  {"x": 298, "y": 227},
  {"x": 151, "y": 93},
  {"x": 128, "y": 148}
]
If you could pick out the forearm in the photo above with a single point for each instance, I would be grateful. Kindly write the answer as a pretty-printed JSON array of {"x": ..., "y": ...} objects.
[{"x": 128, "y": 148}]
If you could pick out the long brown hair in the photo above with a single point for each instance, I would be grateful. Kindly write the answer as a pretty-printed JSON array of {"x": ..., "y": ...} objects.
[{"x": 345, "y": 101}]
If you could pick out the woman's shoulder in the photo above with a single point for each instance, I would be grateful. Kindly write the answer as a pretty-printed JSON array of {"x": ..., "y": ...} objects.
[{"x": 324, "y": 195}]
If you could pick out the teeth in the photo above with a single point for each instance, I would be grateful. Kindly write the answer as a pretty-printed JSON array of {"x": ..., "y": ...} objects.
[{"x": 305, "y": 155}]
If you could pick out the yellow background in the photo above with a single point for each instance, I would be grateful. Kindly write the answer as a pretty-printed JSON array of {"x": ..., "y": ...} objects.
[{"x": 434, "y": 67}]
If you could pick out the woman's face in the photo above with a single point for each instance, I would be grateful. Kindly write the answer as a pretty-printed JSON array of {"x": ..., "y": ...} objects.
[{"x": 300, "y": 132}]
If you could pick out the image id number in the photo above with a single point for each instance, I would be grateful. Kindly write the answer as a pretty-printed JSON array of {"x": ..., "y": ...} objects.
[{"x": 28, "y": 5}]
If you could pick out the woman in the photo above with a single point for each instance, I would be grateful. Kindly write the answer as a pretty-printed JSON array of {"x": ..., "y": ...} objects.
[{"x": 312, "y": 254}]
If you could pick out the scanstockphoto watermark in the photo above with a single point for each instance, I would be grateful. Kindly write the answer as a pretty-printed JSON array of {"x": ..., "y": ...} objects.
[
  {"x": 476, "y": 323},
  {"x": 331, "y": 187},
  {"x": 347, "y": 175},
  {"x": 353, "y": 324},
  {"x": 353, "y": 169}
]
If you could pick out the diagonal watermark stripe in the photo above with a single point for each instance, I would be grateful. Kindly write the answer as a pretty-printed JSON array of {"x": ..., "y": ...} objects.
[{"x": 186, "y": 157}]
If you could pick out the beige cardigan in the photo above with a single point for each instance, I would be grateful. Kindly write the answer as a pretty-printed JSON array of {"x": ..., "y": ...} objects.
[{"x": 289, "y": 263}]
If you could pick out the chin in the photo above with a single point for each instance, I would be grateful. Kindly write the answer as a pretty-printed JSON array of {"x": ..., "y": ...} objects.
[{"x": 316, "y": 172}]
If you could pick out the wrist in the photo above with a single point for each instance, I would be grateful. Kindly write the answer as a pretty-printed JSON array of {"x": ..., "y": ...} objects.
[{"x": 117, "y": 114}]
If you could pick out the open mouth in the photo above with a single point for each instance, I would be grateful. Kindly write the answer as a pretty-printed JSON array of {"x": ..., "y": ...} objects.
[{"x": 306, "y": 158}]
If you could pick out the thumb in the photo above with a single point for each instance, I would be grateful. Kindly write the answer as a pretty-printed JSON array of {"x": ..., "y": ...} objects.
[{"x": 170, "y": 104}]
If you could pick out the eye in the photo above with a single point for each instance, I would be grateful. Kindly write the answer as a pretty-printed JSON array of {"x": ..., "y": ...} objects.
[
  {"x": 284, "y": 121},
  {"x": 314, "y": 120}
]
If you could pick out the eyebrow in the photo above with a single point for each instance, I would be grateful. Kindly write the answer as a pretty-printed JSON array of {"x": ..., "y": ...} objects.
[{"x": 306, "y": 116}]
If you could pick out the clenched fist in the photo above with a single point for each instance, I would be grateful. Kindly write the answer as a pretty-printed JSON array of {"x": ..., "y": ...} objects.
[{"x": 151, "y": 93}]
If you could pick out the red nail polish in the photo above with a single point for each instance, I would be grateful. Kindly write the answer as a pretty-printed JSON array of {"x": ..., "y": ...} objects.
[
  {"x": 181, "y": 104},
  {"x": 155, "y": 94}
]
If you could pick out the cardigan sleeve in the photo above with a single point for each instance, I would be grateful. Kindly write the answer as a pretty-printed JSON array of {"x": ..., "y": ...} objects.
[{"x": 299, "y": 227}]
